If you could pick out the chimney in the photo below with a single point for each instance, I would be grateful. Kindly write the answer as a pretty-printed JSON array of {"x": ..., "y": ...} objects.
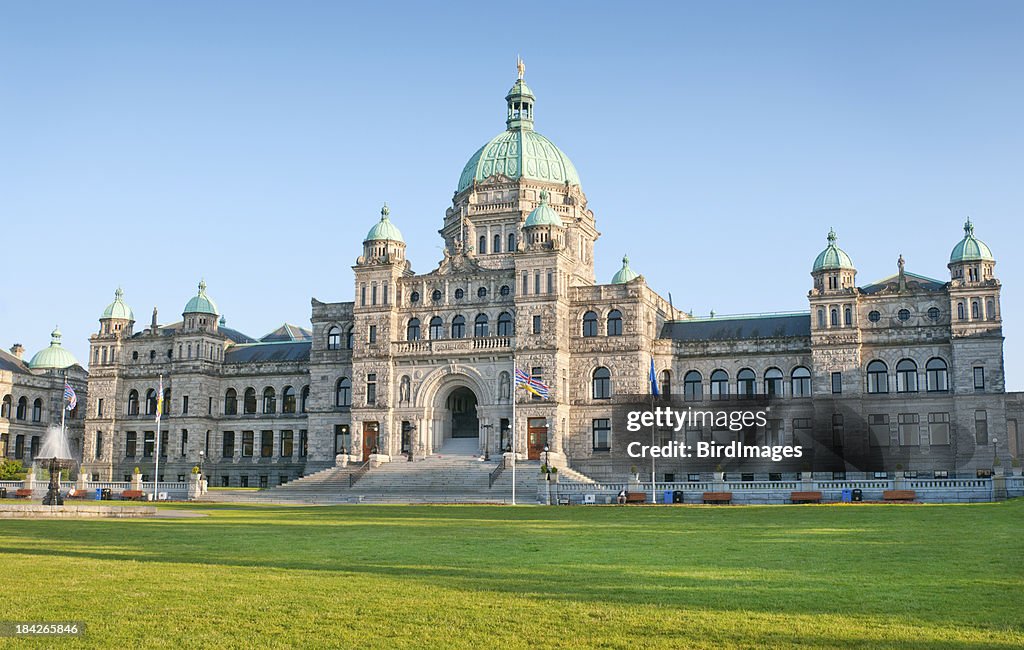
[{"x": 18, "y": 350}]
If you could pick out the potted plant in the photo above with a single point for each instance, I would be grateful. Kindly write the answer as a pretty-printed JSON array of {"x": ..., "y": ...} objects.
[
  {"x": 553, "y": 475},
  {"x": 719, "y": 472},
  {"x": 997, "y": 466},
  {"x": 195, "y": 469},
  {"x": 634, "y": 473},
  {"x": 1015, "y": 465}
]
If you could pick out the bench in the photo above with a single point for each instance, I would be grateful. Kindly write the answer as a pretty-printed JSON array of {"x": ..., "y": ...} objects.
[
  {"x": 717, "y": 497},
  {"x": 899, "y": 495},
  {"x": 805, "y": 497},
  {"x": 23, "y": 493},
  {"x": 636, "y": 497},
  {"x": 80, "y": 494},
  {"x": 133, "y": 495}
]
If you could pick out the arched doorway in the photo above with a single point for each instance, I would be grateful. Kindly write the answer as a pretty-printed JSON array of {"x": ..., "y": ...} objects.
[{"x": 461, "y": 405}]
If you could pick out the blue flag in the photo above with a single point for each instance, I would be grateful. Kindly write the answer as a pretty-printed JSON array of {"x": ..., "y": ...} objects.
[{"x": 654, "y": 380}]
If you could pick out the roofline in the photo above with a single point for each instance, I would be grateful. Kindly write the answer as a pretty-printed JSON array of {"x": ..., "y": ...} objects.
[
  {"x": 246, "y": 345},
  {"x": 905, "y": 273},
  {"x": 769, "y": 314}
]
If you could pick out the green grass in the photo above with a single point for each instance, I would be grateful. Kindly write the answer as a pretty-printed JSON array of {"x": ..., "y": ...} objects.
[{"x": 483, "y": 577}]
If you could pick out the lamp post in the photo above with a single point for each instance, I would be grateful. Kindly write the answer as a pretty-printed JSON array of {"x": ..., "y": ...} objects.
[
  {"x": 547, "y": 475},
  {"x": 487, "y": 441},
  {"x": 506, "y": 436},
  {"x": 411, "y": 429},
  {"x": 202, "y": 462}
]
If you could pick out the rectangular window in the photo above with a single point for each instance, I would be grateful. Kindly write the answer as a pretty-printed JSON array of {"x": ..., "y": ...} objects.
[
  {"x": 303, "y": 443},
  {"x": 19, "y": 447},
  {"x": 536, "y": 325},
  {"x": 371, "y": 388},
  {"x": 131, "y": 441},
  {"x": 248, "y": 439},
  {"x": 537, "y": 374},
  {"x": 837, "y": 383},
  {"x": 979, "y": 378},
  {"x": 878, "y": 430},
  {"x": 602, "y": 429},
  {"x": 525, "y": 283},
  {"x": 938, "y": 428},
  {"x": 362, "y": 296},
  {"x": 551, "y": 282},
  {"x": 342, "y": 439},
  {"x": 385, "y": 292},
  {"x": 287, "y": 440},
  {"x": 264, "y": 481},
  {"x": 373, "y": 294},
  {"x": 373, "y": 334},
  {"x": 184, "y": 405},
  {"x": 266, "y": 444},
  {"x": 228, "y": 445},
  {"x": 802, "y": 432},
  {"x": 99, "y": 407},
  {"x": 910, "y": 430},
  {"x": 773, "y": 432},
  {"x": 148, "y": 443},
  {"x": 243, "y": 481},
  {"x": 536, "y": 282},
  {"x": 981, "y": 427},
  {"x": 164, "y": 443},
  {"x": 98, "y": 453},
  {"x": 838, "y": 430},
  {"x": 184, "y": 442}
]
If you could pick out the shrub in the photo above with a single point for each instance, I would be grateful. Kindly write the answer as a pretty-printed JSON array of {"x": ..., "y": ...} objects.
[{"x": 11, "y": 470}]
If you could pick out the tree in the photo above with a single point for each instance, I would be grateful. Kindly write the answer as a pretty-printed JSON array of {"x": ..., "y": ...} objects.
[{"x": 11, "y": 470}]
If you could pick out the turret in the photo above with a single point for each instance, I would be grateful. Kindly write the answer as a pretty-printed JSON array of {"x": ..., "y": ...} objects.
[
  {"x": 200, "y": 312},
  {"x": 833, "y": 269},
  {"x": 384, "y": 243}
]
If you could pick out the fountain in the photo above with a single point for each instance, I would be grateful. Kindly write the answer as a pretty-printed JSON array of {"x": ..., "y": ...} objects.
[{"x": 55, "y": 455}]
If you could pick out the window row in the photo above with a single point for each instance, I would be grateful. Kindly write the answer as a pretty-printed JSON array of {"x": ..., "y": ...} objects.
[
  {"x": 21, "y": 412},
  {"x": 481, "y": 292},
  {"x": 268, "y": 403},
  {"x": 773, "y": 383},
  {"x": 613, "y": 324},
  {"x": 248, "y": 444},
  {"x": 496, "y": 242},
  {"x": 481, "y": 327},
  {"x": 936, "y": 376}
]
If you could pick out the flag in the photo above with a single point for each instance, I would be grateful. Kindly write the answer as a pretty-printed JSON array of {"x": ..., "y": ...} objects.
[
  {"x": 654, "y": 380},
  {"x": 69, "y": 396},
  {"x": 160, "y": 398},
  {"x": 535, "y": 386}
]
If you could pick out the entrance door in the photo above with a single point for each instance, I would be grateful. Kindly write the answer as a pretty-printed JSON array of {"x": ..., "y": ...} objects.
[
  {"x": 462, "y": 405},
  {"x": 537, "y": 437},
  {"x": 371, "y": 435}
]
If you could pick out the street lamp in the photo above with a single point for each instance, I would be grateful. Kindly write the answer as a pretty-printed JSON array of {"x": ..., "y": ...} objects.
[
  {"x": 410, "y": 428},
  {"x": 506, "y": 436},
  {"x": 202, "y": 461},
  {"x": 487, "y": 441}
]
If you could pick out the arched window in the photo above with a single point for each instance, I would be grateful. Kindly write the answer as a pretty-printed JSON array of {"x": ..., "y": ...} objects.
[
  {"x": 821, "y": 318},
  {"x": 37, "y": 412},
  {"x": 349, "y": 337},
  {"x": 231, "y": 402},
  {"x": 906, "y": 376},
  {"x": 459, "y": 327},
  {"x": 343, "y": 392},
  {"x": 249, "y": 401},
  {"x": 288, "y": 400},
  {"x": 505, "y": 324},
  {"x": 483, "y": 244},
  {"x": 511, "y": 242},
  {"x": 480, "y": 325},
  {"x": 167, "y": 402},
  {"x": 602, "y": 383},
  {"x": 497, "y": 244},
  {"x": 436, "y": 328},
  {"x": 412, "y": 330},
  {"x": 692, "y": 389},
  {"x": 975, "y": 310},
  {"x": 5, "y": 409},
  {"x": 504, "y": 385},
  {"x": 746, "y": 383},
  {"x": 666, "y": 383},
  {"x": 133, "y": 403},
  {"x": 773, "y": 382},
  {"x": 878, "y": 377},
  {"x": 590, "y": 324},
  {"x": 615, "y": 323},
  {"x": 801, "y": 382},
  {"x": 334, "y": 338},
  {"x": 848, "y": 317},
  {"x": 990, "y": 310},
  {"x": 719, "y": 384},
  {"x": 937, "y": 375},
  {"x": 269, "y": 400},
  {"x": 304, "y": 399},
  {"x": 834, "y": 317},
  {"x": 150, "y": 402},
  {"x": 960, "y": 314}
]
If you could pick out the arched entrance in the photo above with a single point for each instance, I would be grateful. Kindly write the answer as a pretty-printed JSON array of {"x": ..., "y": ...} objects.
[{"x": 461, "y": 405}]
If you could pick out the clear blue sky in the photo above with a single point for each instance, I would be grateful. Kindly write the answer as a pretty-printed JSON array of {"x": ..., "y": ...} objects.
[{"x": 252, "y": 143}]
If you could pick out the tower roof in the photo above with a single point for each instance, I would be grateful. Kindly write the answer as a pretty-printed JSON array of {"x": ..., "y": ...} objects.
[
  {"x": 384, "y": 229},
  {"x": 201, "y": 303},
  {"x": 625, "y": 274},
  {"x": 55, "y": 356},
  {"x": 832, "y": 257},
  {"x": 543, "y": 214},
  {"x": 118, "y": 308},
  {"x": 519, "y": 151},
  {"x": 970, "y": 248}
]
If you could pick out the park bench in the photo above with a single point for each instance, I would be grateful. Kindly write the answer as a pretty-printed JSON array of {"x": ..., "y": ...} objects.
[
  {"x": 133, "y": 495},
  {"x": 636, "y": 497},
  {"x": 75, "y": 493},
  {"x": 717, "y": 497},
  {"x": 899, "y": 495},
  {"x": 805, "y": 497},
  {"x": 23, "y": 493}
]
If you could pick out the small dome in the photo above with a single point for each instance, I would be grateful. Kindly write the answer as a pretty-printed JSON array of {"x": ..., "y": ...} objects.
[
  {"x": 543, "y": 214},
  {"x": 118, "y": 308},
  {"x": 625, "y": 274},
  {"x": 970, "y": 248},
  {"x": 201, "y": 303},
  {"x": 384, "y": 229},
  {"x": 55, "y": 356},
  {"x": 832, "y": 257}
]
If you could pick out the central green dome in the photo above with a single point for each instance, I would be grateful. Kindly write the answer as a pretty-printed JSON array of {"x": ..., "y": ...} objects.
[
  {"x": 970, "y": 248},
  {"x": 118, "y": 308},
  {"x": 833, "y": 257},
  {"x": 201, "y": 303},
  {"x": 384, "y": 230},
  {"x": 519, "y": 151},
  {"x": 53, "y": 357}
]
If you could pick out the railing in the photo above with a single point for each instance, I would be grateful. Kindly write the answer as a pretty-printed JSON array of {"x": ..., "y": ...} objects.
[
  {"x": 495, "y": 473},
  {"x": 358, "y": 473},
  {"x": 453, "y": 345}
]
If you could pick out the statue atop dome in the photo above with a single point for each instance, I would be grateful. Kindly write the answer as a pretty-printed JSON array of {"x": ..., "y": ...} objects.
[{"x": 520, "y": 67}]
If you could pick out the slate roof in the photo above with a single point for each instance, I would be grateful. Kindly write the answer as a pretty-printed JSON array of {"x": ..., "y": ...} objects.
[
  {"x": 738, "y": 328},
  {"x": 259, "y": 352},
  {"x": 12, "y": 363},
  {"x": 288, "y": 332},
  {"x": 914, "y": 281}
]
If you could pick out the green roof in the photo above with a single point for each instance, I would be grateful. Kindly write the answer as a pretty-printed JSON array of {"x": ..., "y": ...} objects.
[
  {"x": 54, "y": 356},
  {"x": 625, "y": 274},
  {"x": 201, "y": 303},
  {"x": 118, "y": 308},
  {"x": 384, "y": 229},
  {"x": 970, "y": 248},
  {"x": 543, "y": 214},
  {"x": 832, "y": 257}
]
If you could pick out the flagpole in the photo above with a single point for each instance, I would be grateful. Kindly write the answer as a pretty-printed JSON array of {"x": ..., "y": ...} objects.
[
  {"x": 156, "y": 467},
  {"x": 515, "y": 386}
]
